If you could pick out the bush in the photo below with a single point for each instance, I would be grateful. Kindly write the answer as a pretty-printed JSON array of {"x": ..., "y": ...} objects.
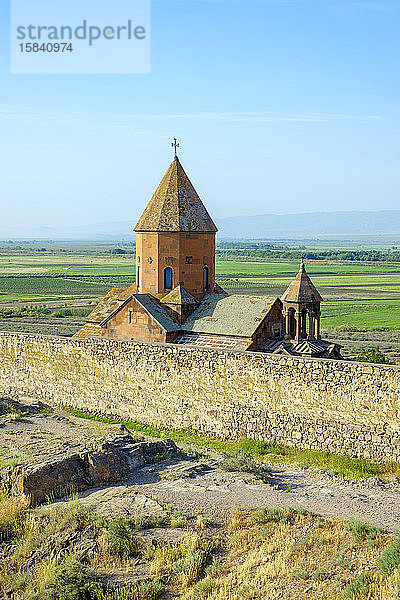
[
  {"x": 120, "y": 539},
  {"x": 241, "y": 461},
  {"x": 361, "y": 531},
  {"x": 189, "y": 567},
  {"x": 359, "y": 586},
  {"x": 274, "y": 515},
  {"x": 136, "y": 591},
  {"x": 11, "y": 517},
  {"x": 390, "y": 558},
  {"x": 374, "y": 356},
  {"x": 75, "y": 581}
]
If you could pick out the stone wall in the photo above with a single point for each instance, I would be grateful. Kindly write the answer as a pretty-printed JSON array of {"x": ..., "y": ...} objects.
[{"x": 339, "y": 406}]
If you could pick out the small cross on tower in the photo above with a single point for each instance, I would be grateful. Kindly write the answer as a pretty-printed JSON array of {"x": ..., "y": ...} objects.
[{"x": 175, "y": 144}]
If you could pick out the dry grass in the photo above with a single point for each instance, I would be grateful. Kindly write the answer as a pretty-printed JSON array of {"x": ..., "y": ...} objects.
[
  {"x": 283, "y": 554},
  {"x": 11, "y": 510},
  {"x": 264, "y": 554}
]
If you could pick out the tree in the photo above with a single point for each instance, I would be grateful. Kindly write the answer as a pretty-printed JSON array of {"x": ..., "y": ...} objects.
[{"x": 374, "y": 356}]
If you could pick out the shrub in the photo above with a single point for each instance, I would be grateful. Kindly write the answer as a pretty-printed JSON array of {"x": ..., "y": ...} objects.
[
  {"x": 374, "y": 356},
  {"x": 241, "y": 461},
  {"x": 361, "y": 531},
  {"x": 390, "y": 558},
  {"x": 189, "y": 567},
  {"x": 75, "y": 581},
  {"x": 137, "y": 591},
  {"x": 275, "y": 515},
  {"x": 120, "y": 539},
  {"x": 11, "y": 517},
  {"x": 360, "y": 586}
]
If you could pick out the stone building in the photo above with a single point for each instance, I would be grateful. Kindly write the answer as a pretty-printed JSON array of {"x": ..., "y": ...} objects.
[{"x": 175, "y": 298}]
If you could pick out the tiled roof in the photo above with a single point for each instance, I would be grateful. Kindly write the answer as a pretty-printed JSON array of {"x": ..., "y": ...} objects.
[
  {"x": 159, "y": 312},
  {"x": 88, "y": 330},
  {"x": 229, "y": 315},
  {"x": 176, "y": 206},
  {"x": 128, "y": 292},
  {"x": 179, "y": 296},
  {"x": 302, "y": 289},
  {"x": 316, "y": 348},
  {"x": 216, "y": 342},
  {"x": 106, "y": 306}
]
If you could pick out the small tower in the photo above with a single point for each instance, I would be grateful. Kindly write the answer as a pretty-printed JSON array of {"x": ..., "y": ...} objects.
[
  {"x": 302, "y": 301},
  {"x": 175, "y": 239}
]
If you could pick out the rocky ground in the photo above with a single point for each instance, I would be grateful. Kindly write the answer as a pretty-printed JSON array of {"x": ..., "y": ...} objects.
[{"x": 35, "y": 442}]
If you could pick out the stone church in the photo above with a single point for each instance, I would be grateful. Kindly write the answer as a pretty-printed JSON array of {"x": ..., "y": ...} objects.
[{"x": 176, "y": 300}]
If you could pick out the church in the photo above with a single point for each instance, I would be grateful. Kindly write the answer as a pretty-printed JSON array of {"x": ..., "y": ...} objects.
[{"x": 176, "y": 299}]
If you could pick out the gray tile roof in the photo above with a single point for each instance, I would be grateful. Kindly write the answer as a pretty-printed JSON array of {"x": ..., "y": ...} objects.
[
  {"x": 302, "y": 289},
  {"x": 213, "y": 342},
  {"x": 176, "y": 206},
  {"x": 157, "y": 311},
  {"x": 229, "y": 315},
  {"x": 106, "y": 307}
]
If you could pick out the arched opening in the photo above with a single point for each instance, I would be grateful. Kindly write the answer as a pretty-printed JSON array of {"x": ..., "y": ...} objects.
[
  {"x": 168, "y": 278},
  {"x": 138, "y": 277},
  {"x": 304, "y": 323},
  {"x": 292, "y": 323},
  {"x": 205, "y": 279}
]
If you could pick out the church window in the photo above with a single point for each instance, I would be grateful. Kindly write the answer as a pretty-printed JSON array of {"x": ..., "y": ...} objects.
[
  {"x": 168, "y": 278},
  {"x": 189, "y": 260},
  {"x": 138, "y": 277},
  {"x": 205, "y": 279}
]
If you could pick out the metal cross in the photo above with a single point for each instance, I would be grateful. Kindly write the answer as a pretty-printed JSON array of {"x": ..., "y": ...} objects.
[{"x": 175, "y": 145}]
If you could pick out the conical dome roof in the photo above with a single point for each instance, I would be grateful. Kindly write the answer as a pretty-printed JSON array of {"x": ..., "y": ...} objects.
[
  {"x": 176, "y": 206},
  {"x": 302, "y": 289}
]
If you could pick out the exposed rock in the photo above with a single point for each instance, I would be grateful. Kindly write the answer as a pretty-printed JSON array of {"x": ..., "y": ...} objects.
[{"x": 61, "y": 475}]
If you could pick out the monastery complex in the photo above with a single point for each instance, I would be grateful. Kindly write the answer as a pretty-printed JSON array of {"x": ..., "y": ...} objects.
[{"x": 176, "y": 300}]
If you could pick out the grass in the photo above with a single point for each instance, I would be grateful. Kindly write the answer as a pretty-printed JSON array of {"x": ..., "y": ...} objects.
[
  {"x": 269, "y": 553},
  {"x": 334, "y": 464},
  {"x": 362, "y": 314},
  {"x": 29, "y": 275},
  {"x": 286, "y": 554},
  {"x": 12, "y": 458}
]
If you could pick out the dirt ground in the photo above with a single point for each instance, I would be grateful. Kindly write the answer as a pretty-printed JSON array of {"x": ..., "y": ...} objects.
[{"x": 194, "y": 485}]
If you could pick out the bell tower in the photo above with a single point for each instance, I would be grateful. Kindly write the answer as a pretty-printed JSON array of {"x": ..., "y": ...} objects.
[
  {"x": 175, "y": 239},
  {"x": 302, "y": 303}
]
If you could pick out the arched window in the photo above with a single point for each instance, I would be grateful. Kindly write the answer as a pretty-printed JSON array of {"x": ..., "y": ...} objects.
[
  {"x": 138, "y": 277},
  {"x": 168, "y": 278},
  {"x": 205, "y": 279}
]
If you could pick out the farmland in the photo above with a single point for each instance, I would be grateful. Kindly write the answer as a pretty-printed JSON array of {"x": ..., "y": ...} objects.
[{"x": 362, "y": 299}]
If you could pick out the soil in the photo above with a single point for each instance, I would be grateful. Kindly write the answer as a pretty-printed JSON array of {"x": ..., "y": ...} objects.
[{"x": 197, "y": 486}]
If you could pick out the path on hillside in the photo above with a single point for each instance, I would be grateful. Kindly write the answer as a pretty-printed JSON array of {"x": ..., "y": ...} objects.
[
  {"x": 213, "y": 493},
  {"x": 197, "y": 485},
  {"x": 199, "y": 488}
]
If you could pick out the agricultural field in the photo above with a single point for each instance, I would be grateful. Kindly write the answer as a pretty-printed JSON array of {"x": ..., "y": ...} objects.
[{"x": 361, "y": 308}]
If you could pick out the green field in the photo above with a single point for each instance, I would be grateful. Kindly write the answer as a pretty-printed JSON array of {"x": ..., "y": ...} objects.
[{"x": 359, "y": 296}]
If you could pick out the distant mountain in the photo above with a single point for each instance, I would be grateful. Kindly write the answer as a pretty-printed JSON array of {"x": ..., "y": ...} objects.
[
  {"x": 311, "y": 224},
  {"x": 301, "y": 225}
]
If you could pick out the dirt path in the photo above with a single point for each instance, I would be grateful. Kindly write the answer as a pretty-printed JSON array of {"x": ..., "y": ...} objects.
[
  {"x": 214, "y": 493},
  {"x": 199, "y": 486},
  {"x": 204, "y": 489}
]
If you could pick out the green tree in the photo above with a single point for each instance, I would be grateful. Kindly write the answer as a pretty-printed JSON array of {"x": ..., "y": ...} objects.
[{"x": 374, "y": 356}]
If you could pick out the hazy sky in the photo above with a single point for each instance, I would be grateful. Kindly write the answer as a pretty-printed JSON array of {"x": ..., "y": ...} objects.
[{"x": 280, "y": 106}]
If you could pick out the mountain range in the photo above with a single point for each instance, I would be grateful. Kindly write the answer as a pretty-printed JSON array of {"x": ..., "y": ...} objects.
[{"x": 268, "y": 226}]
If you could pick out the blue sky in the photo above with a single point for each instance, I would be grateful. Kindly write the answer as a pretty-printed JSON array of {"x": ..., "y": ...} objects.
[{"x": 280, "y": 106}]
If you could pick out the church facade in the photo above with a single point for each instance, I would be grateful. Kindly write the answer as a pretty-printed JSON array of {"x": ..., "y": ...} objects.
[{"x": 176, "y": 299}]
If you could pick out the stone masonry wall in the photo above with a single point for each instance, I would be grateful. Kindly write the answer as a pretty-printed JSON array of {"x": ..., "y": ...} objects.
[{"x": 339, "y": 406}]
